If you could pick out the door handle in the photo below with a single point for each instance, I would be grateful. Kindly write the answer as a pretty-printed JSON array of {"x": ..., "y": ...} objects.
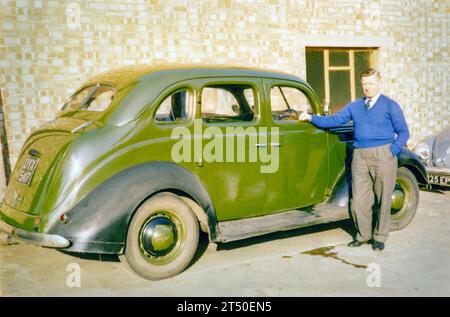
[
  {"x": 261, "y": 145},
  {"x": 275, "y": 144},
  {"x": 199, "y": 161}
]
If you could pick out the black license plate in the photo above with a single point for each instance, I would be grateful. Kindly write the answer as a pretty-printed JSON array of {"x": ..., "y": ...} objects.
[
  {"x": 439, "y": 179},
  {"x": 27, "y": 171}
]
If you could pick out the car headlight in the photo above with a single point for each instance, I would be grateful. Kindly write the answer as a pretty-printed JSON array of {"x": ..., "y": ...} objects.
[{"x": 423, "y": 150}]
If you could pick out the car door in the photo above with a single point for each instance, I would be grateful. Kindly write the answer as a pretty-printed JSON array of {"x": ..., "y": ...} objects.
[
  {"x": 232, "y": 123},
  {"x": 302, "y": 177}
]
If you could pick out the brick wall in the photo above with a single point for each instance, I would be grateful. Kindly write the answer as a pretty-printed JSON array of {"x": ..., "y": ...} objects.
[{"x": 48, "y": 48}]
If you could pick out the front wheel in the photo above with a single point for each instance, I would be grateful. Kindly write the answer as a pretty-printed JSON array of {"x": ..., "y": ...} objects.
[
  {"x": 405, "y": 199},
  {"x": 162, "y": 237}
]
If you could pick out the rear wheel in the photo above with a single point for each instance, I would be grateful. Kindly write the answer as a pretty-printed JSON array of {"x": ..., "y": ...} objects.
[
  {"x": 162, "y": 237},
  {"x": 405, "y": 199}
]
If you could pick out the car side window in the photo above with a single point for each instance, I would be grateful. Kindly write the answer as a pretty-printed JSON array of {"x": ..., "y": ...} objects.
[
  {"x": 288, "y": 102},
  {"x": 228, "y": 103},
  {"x": 176, "y": 107}
]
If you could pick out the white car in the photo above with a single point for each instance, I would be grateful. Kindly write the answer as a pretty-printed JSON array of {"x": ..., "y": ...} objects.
[{"x": 434, "y": 151}]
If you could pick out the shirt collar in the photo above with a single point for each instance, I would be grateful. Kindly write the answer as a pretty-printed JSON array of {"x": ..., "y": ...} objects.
[{"x": 374, "y": 99}]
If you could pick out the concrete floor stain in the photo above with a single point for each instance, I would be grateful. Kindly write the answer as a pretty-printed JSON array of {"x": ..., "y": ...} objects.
[{"x": 327, "y": 253}]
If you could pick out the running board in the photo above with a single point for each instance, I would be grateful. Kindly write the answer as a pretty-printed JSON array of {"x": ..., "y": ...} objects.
[{"x": 292, "y": 219}]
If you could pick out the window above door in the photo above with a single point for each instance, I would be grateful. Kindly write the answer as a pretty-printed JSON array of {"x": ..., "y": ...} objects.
[{"x": 334, "y": 73}]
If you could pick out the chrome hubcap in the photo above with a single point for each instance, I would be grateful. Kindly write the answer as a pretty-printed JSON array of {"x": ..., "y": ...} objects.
[
  {"x": 158, "y": 236},
  {"x": 398, "y": 198}
]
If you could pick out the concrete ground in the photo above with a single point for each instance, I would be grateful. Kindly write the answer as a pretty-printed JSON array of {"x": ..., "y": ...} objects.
[{"x": 306, "y": 262}]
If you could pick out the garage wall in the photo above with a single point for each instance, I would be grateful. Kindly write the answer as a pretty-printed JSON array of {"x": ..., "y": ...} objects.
[{"x": 48, "y": 48}]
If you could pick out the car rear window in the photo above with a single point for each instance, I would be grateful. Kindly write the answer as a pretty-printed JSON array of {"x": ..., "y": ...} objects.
[{"x": 93, "y": 98}]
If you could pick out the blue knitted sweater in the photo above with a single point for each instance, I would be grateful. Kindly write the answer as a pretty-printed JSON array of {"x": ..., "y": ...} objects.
[{"x": 373, "y": 127}]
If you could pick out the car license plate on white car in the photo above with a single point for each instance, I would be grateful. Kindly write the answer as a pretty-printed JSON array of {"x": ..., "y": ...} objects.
[{"x": 437, "y": 179}]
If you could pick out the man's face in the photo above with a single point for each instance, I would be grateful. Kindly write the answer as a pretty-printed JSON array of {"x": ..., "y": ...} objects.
[{"x": 371, "y": 85}]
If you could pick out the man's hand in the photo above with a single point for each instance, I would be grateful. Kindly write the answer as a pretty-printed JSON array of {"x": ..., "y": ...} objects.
[{"x": 304, "y": 117}]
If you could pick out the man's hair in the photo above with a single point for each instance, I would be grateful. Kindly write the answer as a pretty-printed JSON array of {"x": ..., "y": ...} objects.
[{"x": 371, "y": 71}]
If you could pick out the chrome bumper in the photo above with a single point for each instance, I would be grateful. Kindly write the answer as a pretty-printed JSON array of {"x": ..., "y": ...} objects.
[{"x": 41, "y": 239}]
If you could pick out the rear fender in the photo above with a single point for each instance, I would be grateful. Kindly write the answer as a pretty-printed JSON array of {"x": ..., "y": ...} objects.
[{"x": 99, "y": 222}]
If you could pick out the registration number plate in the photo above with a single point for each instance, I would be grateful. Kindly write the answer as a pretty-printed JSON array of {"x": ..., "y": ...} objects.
[
  {"x": 439, "y": 179},
  {"x": 27, "y": 171}
]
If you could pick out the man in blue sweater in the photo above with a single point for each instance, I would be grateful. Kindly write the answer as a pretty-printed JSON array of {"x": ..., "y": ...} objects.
[{"x": 380, "y": 133}]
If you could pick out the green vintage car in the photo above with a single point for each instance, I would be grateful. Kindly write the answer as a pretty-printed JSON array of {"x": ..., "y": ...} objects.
[{"x": 140, "y": 159}]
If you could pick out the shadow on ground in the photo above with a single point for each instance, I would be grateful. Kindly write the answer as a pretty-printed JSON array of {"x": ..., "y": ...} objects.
[
  {"x": 346, "y": 225},
  {"x": 93, "y": 256}
]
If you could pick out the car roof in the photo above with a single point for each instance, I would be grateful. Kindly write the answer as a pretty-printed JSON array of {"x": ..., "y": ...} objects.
[{"x": 121, "y": 77}]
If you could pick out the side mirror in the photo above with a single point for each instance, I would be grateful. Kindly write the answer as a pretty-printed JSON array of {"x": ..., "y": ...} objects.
[{"x": 326, "y": 107}]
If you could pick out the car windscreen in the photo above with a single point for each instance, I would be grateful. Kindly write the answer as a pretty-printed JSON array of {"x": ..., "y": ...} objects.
[{"x": 92, "y": 98}]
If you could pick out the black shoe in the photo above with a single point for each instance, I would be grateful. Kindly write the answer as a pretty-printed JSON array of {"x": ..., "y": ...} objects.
[
  {"x": 355, "y": 243},
  {"x": 377, "y": 246}
]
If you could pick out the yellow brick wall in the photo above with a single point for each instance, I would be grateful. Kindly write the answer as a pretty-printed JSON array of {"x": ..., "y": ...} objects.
[{"x": 47, "y": 49}]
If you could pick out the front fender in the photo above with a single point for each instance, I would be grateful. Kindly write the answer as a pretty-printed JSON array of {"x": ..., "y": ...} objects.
[
  {"x": 341, "y": 193},
  {"x": 410, "y": 160},
  {"x": 99, "y": 222}
]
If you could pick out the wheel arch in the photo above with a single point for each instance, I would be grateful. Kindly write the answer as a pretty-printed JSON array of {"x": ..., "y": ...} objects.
[
  {"x": 196, "y": 207},
  {"x": 411, "y": 161},
  {"x": 417, "y": 174}
]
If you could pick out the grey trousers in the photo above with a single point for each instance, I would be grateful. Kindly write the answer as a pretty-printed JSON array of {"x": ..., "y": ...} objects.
[{"x": 374, "y": 172}]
